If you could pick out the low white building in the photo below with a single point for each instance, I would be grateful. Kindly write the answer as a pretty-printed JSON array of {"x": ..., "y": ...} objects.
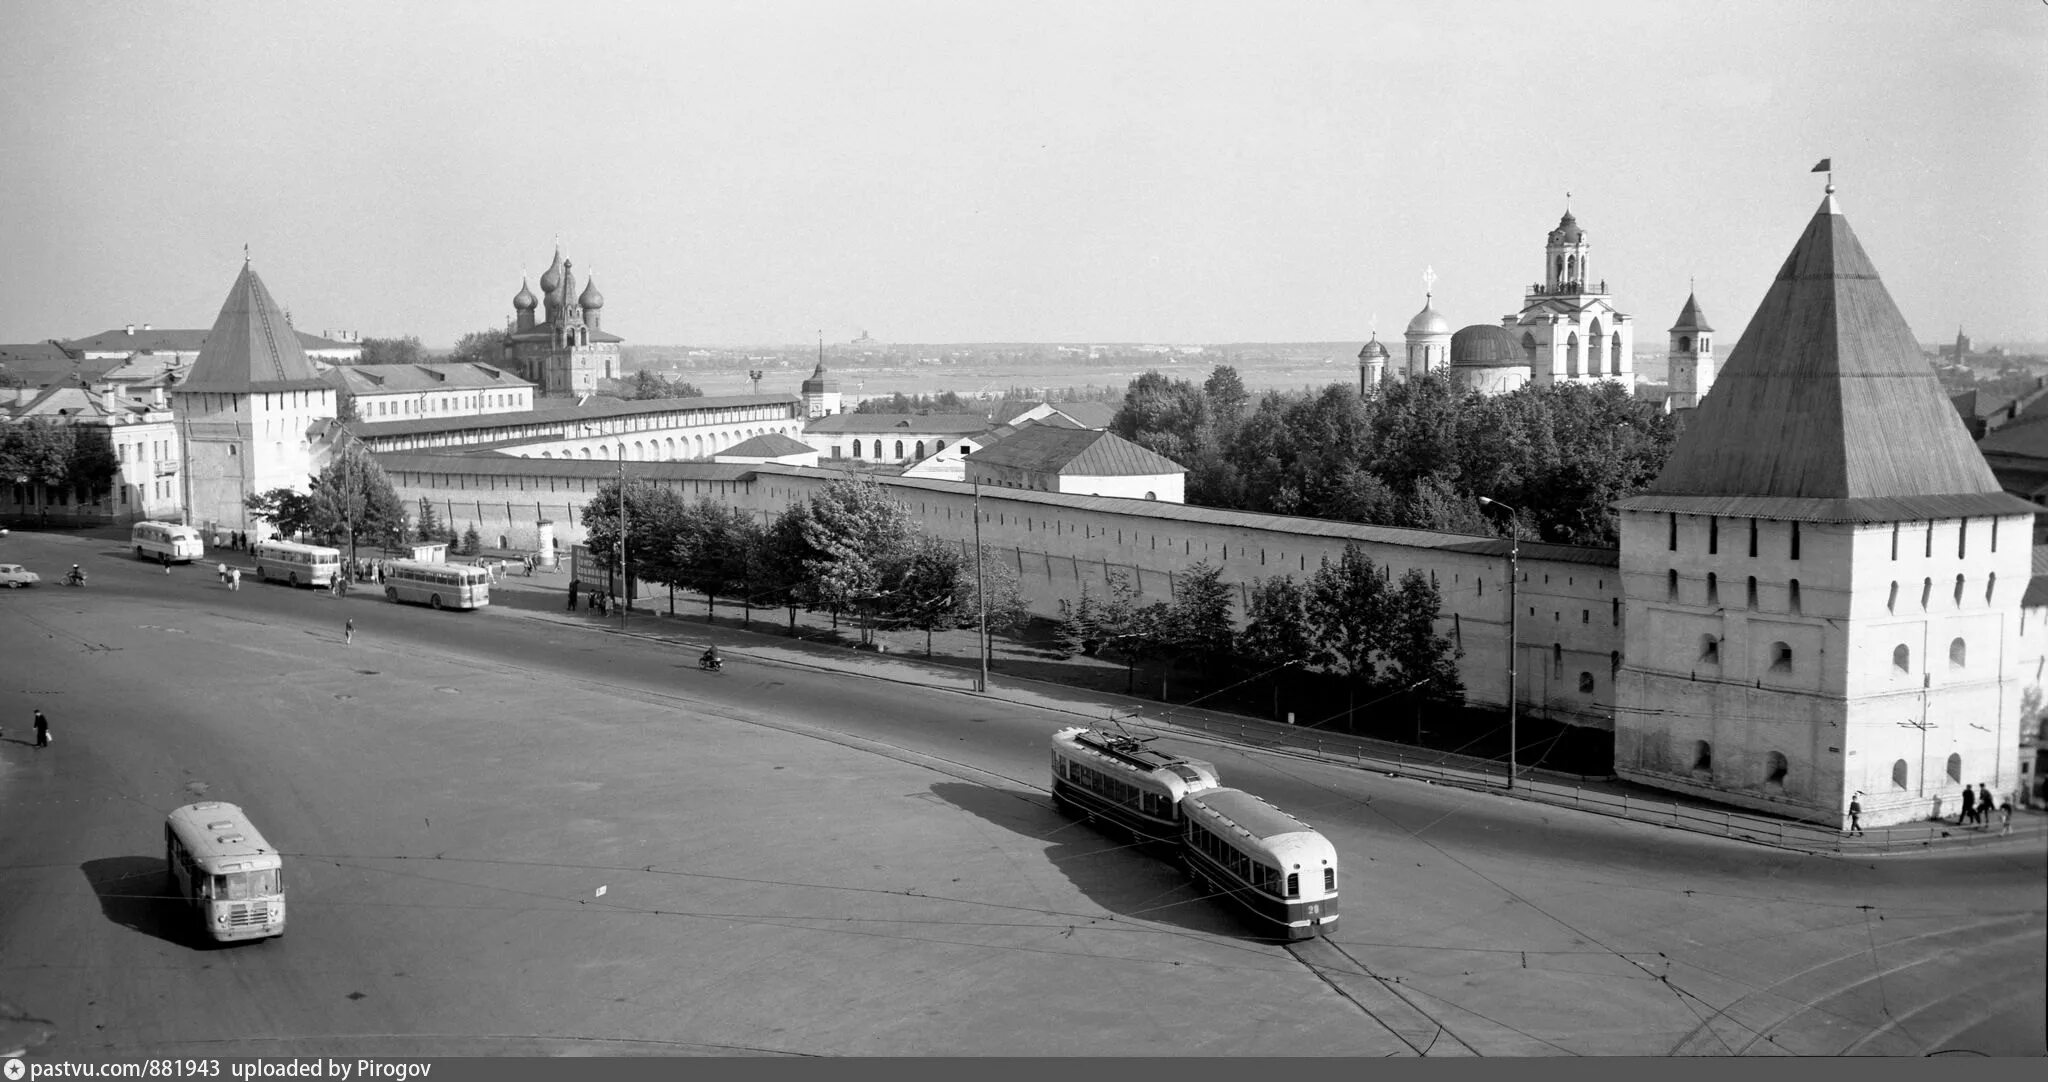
[
  {"x": 890, "y": 438},
  {"x": 402, "y": 392},
  {"x": 1042, "y": 458}
]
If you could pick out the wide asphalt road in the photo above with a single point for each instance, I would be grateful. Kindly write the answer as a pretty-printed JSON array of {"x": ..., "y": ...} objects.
[{"x": 506, "y": 835}]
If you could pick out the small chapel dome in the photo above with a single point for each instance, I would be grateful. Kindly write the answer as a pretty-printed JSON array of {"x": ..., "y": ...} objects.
[
  {"x": 1429, "y": 321},
  {"x": 1484, "y": 345},
  {"x": 524, "y": 299},
  {"x": 1373, "y": 351},
  {"x": 591, "y": 299},
  {"x": 1567, "y": 231}
]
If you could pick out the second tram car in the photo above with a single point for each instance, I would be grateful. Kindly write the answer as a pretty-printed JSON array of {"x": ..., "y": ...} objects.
[
  {"x": 1120, "y": 779},
  {"x": 1279, "y": 869}
]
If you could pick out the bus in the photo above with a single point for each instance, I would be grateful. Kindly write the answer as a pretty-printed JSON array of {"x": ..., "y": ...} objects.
[
  {"x": 443, "y": 586},
  {"x": 1276, "y": 867},
  {"x": 222, "y": 868},
  {"x": 166, "y": 541},
  {"x": 297, "y": 564}
]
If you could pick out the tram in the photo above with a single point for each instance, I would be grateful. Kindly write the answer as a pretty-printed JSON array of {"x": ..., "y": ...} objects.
[
  {"x": 1120, "y": 779},
  {"x": 1274, "y": 866}
]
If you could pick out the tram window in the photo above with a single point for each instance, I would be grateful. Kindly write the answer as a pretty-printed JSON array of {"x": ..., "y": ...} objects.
[
  {"x": 1294, "y": 884},
  {"x": 1330, "y": 880}
]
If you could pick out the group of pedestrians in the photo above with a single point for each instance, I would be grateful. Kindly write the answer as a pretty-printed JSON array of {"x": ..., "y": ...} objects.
[
  {"x": 1977, "y": 808},
  {"x": 234, "y": 540},
  {"x": 598, "y": 601},
  {"x": 231, "y": 577}
]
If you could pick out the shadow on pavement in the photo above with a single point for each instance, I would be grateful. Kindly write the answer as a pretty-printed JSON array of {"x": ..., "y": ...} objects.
[
  {"x": 1142, "y": 883},
  {"x": 135, "y": 892}
]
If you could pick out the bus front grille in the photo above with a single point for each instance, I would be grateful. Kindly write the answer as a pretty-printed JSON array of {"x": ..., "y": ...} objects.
[{"x": 244, "y": 916}]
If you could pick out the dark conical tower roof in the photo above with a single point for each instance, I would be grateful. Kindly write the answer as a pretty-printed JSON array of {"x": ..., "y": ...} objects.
[
  {"x": 252, "y": 347},
  {"x": 1825, "y": 410},
  {"x": 1689, "y": 317}
]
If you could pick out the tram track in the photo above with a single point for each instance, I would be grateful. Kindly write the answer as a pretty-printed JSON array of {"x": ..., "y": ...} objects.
[{"x": 1378, "y": 999}]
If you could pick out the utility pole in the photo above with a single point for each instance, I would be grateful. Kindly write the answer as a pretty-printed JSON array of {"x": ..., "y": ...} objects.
[
  {"x": 1514, "y": 576},
  {"x": 980, "y": 596},
  {"x": 625, "y": 579}
]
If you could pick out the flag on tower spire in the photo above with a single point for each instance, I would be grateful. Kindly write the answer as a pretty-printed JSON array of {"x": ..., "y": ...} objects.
[{"x": 1826, "y": 165}]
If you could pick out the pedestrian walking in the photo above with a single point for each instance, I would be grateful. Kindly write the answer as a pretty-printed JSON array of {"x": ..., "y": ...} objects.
[
  {"x": 348, "y": 631},
  {"x": 1856, "y": 816},
  {"x": 223, "y": 574},
  {"x": 165, "y": 559},
  {"x": 2005, "y": 817},
  {"x": 574, "y": 586},
  {"x": 234, "y": 578},
  {"x": 42, "y": 730},
  {"x": 1969, "y": 808},
  {"x": 1984, "y": 805}
]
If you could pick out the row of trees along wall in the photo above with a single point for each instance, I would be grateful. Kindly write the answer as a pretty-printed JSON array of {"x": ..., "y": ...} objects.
[{"x": 1571, "y": 633}]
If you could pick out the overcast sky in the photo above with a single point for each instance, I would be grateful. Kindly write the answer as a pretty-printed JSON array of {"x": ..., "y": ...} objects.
[{"x": 963, "y": 171}]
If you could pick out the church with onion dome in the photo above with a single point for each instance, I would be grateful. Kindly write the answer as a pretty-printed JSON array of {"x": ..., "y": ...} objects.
[
  {"x": 1567, "y": 331},
  {"x": 558, "y": 341}
]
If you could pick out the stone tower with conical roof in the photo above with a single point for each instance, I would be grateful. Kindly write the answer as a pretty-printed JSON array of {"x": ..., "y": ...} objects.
[
  {"x": 821, "y": 391},
  {"x": 252, "y": 413},
  {"x": 1691, "y": 357},
  {"x": 1823, "y": 585},
  {"x": 1568, "y": 327}
]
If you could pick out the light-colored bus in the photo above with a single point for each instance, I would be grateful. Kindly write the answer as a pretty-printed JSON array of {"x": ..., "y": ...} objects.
[
  {"x": 297, "y": 564},
  {"x": 166, "y": 540},
  {"x": 224, "y": 869},
  {"x": 444, "y": 586}
]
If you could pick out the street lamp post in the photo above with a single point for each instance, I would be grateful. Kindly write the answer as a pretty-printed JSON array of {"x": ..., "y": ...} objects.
[
  {"x": 980, "y": 598},
  {"x": 625, "y": 578},
  {"x": 755, "y": 375},
  {"x": 1514, "y": 576}
]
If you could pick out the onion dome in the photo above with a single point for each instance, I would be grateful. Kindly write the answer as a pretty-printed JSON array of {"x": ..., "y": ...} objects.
[
  {"x": 524, "y": 300},
  {"x": 1567, "y": 231},
  {"x": 1373, "y": 351},
  {"x": 551, "y": 279},
  {"x": 591, "y": 300},
  {"x": 1484, "y": 345},
  {"x": 1429, "y": 321}
]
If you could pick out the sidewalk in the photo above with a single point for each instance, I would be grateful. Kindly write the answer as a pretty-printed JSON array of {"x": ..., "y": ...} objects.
[{"x": 544, "y": 596}]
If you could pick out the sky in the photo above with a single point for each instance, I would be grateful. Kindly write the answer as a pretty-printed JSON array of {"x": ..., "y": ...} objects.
[{"x": 965, "y": 171}]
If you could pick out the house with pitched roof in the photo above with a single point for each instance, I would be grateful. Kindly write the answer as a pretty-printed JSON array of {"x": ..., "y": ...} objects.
[
  {"x": 1824, "y": 585},
  {"x": 136, "y": 428},
  {"x": 253, "y": 413},
  {"x": 770, "y": 447},
  {"x": 1080, "y": 461},
  {"x": 889, "y": 438}
]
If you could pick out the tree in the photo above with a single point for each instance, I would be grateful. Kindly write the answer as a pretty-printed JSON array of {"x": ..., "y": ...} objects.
[
  {"x": 429, "y": 522},
  {"x": 1419, "y": 658},
  {"x": 405, "y": 350},
  {"x": 482, "y": 347},
  {"x": 472, "y": 541},
  {"x": 646, "y": 385},
  {"x": 984, "y": 578},
  {"x": 1276, "y": 632},
  {"x": 855, "y": 532},
  {"x": 38, "y": 449},
  {"x": 352, "y": 499},
  {"x": 1167, "y": 417},
  {"x": 777, "y": 577},
  {"x": 653, "y": 517},
  {"x": 90, "y": 468},
  {"x": 1196, "y": 624},
  {"x": 707, "y": 554},
  {"x": 288, "y": 511},
  {"x": 1227, "y": 397},
  {"x": 928, "y": 588},
  {"x": 1348, "y": 613}
]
